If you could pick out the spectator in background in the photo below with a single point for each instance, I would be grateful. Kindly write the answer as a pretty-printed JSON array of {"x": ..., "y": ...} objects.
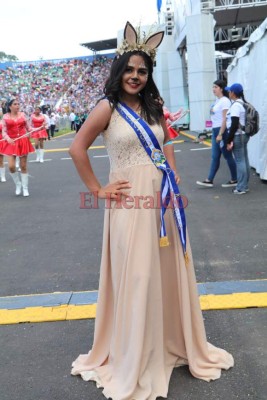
[
  {"x": 72, "y": 120},
  {"x": 47, "y": 121},
  {"x": 78, "y": 122},
  {"x": 52, "y": 124},
  {"x": 237, "y": 138},
  {"x": 57, "y": 119},
  {"x": 74, "y": 84},
  {"x": 219, "y": 137}
]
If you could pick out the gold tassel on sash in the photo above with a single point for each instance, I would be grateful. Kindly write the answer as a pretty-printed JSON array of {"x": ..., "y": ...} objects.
[
  {"x": 164, "y": 241},
  {"x": 186, "y": 258}
]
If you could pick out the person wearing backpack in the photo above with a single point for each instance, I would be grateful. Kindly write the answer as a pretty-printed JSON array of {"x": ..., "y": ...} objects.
[
  {"x": 218, "y": 113},
  {"x": 237, "y": 138}
]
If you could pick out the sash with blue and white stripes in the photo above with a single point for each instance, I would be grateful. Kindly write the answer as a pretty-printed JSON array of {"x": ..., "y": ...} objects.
[{"x": 169, "y": 187}]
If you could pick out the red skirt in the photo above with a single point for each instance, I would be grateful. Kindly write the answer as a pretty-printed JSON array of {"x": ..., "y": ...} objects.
[
  {"x": 1, "y": 143},
  {"x": 21, "y": 147},
  {"x": 172, "y": 132},
  {"x": 42, "y": 134}
]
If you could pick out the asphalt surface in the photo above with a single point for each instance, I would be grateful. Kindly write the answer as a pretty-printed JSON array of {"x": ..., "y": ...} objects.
[{"x": 48, "y": 244}]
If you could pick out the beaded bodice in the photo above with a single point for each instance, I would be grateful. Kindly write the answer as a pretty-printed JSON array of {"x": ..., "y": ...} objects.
[
  {"x": 123, "y": 146},
  {"x": 15, "y": 127}
]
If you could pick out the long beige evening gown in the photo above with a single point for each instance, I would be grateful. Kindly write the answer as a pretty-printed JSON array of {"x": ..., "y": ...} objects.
[{"x": 148, "y": 314}]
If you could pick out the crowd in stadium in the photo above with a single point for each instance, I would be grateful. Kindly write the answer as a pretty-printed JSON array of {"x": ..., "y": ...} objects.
[{"x": 59, "y": 87}]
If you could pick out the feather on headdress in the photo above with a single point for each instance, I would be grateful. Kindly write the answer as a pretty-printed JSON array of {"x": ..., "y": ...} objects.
[{"x": 133, "y": 42}]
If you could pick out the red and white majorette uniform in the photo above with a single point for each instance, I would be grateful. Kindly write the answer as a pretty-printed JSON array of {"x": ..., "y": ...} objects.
[
  {"x": 15, "y": 129},
  {"x": 172, "y": 132},
  {"x": 37, "y": 122},
  {"x": 1, "y": 138},
  {"x": 2, "y": 169}
]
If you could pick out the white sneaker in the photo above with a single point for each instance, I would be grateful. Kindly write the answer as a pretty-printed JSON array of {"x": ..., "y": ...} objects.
[
  {"x": 205, "y": 183},
  {"x": 235, "y": 191},
  {"x": 229, "y": 184}
]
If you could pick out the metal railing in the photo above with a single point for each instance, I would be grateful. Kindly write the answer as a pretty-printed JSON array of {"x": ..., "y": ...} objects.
[{"x": 213, "y": 5}]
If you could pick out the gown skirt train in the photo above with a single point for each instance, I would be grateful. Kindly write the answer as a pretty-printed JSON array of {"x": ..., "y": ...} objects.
[{"x": 148, "y": 314}]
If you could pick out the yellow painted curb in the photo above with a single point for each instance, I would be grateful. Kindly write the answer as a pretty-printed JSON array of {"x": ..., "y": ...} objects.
[
  {"x": 94, "y": 147},
  {"x": 55, "y": 150},
  {"x": 194, "y": 137},
  {"x": 230, "y": 301},
  {"x": 67, "y": 149},
  {"x": 81, "y": 312},
  {"x": 177, "y": 141},
  {"x": 64, "y": 134},
  {"x": 76, "y": 312},
  {"x": 47, "y": 314}
]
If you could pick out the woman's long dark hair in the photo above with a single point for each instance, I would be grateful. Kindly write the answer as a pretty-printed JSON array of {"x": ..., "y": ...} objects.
[
  {"x": 150, "y": 98},
  {"x": 222, "y": 84},
  {"x": 9, "y": 103},
  {"x": 241, "y": 96},
  {"x": 4, "y": 107}
]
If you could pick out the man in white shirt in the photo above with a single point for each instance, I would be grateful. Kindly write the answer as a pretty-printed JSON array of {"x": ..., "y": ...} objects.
[
  {"x": 72, "y": 119},
  {"x": 47, "y": 120}
]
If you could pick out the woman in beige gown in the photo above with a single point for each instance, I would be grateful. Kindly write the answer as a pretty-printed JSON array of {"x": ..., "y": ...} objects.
[{"x": 148, "y": 314}]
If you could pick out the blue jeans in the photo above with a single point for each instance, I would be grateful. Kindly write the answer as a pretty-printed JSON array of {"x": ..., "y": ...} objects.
[
  {"x": 216, "y": 152},
  {"x": 242, "y": 164}
]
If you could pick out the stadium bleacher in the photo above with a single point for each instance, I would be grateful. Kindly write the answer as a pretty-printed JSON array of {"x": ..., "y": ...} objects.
[{"x": 56, "y": 85}]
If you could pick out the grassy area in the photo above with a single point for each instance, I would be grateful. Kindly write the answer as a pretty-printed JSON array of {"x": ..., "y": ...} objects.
[
  {"x": 62, "y": 132},
  {"x": 58, "y": 134}
]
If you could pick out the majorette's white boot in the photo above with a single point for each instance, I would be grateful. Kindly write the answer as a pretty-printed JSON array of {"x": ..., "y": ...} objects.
[
  {"x": 18, "y": 163},
  {"x": 37, "y": 151},
  {"x": 24, "y": 181},
  {"x": 2, "y": 174},
  {"x": 15, "y": 177},
  {"x": 41, "y": 155}
]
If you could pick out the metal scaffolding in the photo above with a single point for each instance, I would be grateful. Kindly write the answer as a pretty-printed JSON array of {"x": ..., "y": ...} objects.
[{"x": 213, "y": 5}]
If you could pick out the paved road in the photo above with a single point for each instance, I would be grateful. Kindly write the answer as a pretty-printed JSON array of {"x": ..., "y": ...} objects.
[{"x": 48, "y": 244}]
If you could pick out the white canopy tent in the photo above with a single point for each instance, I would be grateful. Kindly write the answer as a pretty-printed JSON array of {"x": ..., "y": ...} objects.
[{"x": 250, "y": 69}]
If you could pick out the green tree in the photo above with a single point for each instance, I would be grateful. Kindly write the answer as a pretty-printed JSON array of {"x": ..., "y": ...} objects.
[{"x": 7, "y": 57}]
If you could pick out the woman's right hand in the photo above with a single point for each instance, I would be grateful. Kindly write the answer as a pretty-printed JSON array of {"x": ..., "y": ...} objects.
[
  {"x": 114, "y": 190},
  {"x": 10, "y": 141}
]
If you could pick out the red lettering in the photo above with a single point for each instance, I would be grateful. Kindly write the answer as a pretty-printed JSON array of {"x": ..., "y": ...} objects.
[
  {"x": 137, "y": 201},
  {"x": 124, "y": 201},
  {"x": 86, "y": 200},
  {"x": 149, "y": 202}
]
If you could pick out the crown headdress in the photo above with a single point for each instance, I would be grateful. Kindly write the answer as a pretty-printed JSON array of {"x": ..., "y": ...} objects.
[{"x": 133, "y": 42}]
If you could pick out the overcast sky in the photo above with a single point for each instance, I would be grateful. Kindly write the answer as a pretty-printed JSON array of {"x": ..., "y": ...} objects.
[{"x": 55, "y": 28}]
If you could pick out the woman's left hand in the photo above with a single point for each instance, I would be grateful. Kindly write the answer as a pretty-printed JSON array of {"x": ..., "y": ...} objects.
[
  {"x": 177, "y": 177},
  {"x": 218, "y": 138}
]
